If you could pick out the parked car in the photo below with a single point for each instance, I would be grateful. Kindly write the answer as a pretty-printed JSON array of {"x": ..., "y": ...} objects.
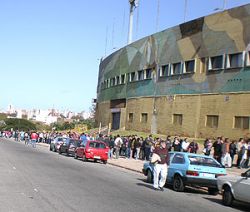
[
  {"x": 190, "y": 169},
  {"x": 69, "y": 146},
  {"x": 56, "y": 143},
  {"x": 95, "y": 150},
  {"x": 235, "y": 188}
]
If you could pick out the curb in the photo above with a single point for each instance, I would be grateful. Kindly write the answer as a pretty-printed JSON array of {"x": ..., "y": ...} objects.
[{"x": 120, "y": 166}]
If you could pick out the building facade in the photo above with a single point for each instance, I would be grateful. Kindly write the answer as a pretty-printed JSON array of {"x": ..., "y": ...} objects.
[{"x": 190, "y": 80}]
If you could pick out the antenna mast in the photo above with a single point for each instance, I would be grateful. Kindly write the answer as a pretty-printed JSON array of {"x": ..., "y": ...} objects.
[{"x": 133, "y": 5}]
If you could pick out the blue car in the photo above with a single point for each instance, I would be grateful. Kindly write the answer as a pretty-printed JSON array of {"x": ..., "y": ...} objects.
[{"x": 190, "y": 169}]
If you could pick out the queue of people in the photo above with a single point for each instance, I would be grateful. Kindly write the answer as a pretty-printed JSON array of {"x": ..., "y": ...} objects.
[{"x": 225, "y": 151}]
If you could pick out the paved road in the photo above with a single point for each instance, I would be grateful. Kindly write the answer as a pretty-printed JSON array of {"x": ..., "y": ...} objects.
[{"x": 39, "y": 180}]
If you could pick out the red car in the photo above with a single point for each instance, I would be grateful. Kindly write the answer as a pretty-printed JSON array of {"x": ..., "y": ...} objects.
[{"x": 95, "y": 150}]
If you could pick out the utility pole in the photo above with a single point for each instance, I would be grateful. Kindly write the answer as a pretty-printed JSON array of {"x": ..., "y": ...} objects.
[
  {"x": 185, "y": 11},
  {"x": 224, "y": 4},
  {"x": 133, "y": 4}
]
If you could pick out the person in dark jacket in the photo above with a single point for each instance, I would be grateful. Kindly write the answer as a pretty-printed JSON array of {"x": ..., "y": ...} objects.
[
  {"x": 232, "y": 150},
  {"x": 218, "y": 149},
  {"x": 160, "y": 168},
  {"x": 176, "y": 144}
]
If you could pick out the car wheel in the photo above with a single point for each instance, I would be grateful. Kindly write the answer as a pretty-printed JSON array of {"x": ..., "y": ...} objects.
[
  {"x": 54, "y": 149},
  {"x": 104, "y": 162},
  {"x": 59, "y": 151},
  {"x": 178, "y": 184},
  {"x": 149, "y": 177},
  {"x": 75, "y": 156},
  {"x": 84, "y": 158},
  {"x": 213, "y": 191},
  {"x": 227, "y": 196},
  {"x": 67, "y": 153}
]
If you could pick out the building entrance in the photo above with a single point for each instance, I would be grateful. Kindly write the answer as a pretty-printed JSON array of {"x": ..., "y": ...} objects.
[{"x": 116, "y": 120}]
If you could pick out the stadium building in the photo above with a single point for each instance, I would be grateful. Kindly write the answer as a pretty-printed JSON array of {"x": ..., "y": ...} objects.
[{"x": 190, "y": 80}]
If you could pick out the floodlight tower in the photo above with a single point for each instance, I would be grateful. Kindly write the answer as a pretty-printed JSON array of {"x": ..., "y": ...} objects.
[{"x": 133, "y": 5}]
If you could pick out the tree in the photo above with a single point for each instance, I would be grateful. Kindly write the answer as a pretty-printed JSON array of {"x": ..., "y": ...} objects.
[{"x": 20, "y": 124}]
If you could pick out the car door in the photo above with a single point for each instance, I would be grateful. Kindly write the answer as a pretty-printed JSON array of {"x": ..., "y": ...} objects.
[
  {"x": 242, "y": 188},
  {"x": 80, "y": 150},
  {"x": 103, "y": 151},
  {"x": 177, "y": 165}
]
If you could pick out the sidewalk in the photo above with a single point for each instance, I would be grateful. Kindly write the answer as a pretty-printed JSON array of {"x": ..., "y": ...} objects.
[{"x": 137, "y": 165}]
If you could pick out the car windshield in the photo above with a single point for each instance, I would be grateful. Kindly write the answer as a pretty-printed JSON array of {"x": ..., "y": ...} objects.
[{"x": 203, "y": 161}]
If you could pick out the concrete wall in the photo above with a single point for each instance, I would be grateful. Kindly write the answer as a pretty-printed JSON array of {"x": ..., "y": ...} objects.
[{"x": 194, "y": 109}]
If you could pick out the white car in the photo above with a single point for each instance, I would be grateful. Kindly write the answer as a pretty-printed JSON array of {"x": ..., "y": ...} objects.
[{"x": 235, "y": 188}]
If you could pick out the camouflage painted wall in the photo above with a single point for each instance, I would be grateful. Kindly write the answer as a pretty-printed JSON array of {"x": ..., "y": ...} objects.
[{"x": 219, "y": 34}]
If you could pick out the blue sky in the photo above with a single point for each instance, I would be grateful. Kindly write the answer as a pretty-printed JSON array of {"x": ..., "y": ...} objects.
[{"x": 50, "y": 49}]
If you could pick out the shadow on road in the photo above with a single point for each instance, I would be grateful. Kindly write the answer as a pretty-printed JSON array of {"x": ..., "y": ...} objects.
[
  {"x": 191, "y": 190},
  {"x": 145, "y": 185},
  {"x": 236, "y": 205}
]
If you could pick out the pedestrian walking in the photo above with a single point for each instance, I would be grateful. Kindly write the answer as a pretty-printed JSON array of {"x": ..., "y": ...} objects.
[{"x": 160, "y": 167}]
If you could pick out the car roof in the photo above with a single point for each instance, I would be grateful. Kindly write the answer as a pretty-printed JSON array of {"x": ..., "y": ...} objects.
[{"x": 191, "y": 154}]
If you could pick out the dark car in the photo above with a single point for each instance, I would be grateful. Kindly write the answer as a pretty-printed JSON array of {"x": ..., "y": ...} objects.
[
  {"x": 69, "y": 146},
  {"x": 95, "y": 150},
  {"x": 56, "y": 143}
]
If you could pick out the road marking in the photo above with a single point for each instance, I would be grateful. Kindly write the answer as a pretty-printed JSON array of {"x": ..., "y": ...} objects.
[
  {"x": 35, "y": 190},
  {"x": 14, "y": 167}
]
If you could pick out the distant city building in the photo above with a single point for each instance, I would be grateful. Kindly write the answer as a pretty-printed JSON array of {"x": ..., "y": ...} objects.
[{"x": 48, "y": 116}]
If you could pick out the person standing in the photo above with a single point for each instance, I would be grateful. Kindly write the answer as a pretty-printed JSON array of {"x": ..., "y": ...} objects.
[
  {"x": 160, "y": 168},
  {"x": 118, "y": 145},
  {"x": 232, "y": 150},
  {"x": 148, "y": 145},
  {"x": 226, "y": 159},
  {"x": 137, "y": 146},
  {"x": 218, "y": 149},
  {"x": 239, "y": 151},
  {"x": 169, "y": 143},
  {"x": 193, "y": 147},
  {"x": 33, "y": 138}
]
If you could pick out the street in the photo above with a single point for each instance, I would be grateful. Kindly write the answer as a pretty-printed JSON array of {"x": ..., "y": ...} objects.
[{"x": 35, "y": 179}]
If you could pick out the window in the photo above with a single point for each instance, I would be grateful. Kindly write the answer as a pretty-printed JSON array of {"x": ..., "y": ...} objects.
[
  {"x": 216, "y": 62},
  {"x": 241, "y": 122},
  {"x": 203, "y": 161},
  {"x": 102, "y": 146},
  {"x": 177, "y": 119},
  {"x": 118, "y": 80},
  {"x": 140, "y": 75},
  {"x": 179, "y": 159},
  {"x": 164, "y": 71},
  {"x": 248, "y": 59},
  {"x": 130, "y": 117},
  {"x": 235, "y": 60},
  {"x": 144, "y": 118},
  {"x": 177, "y": 68},
  {"x": 107, "y": 83},
  {"x": 189, "y": 66},
  {"x": 123, "y": 79},
  {"x": 112, "y": 81},
  {"x": 148, "y": 73},
  {"x": 212, "y": 121},
  {"x": 132, "y": 77}
]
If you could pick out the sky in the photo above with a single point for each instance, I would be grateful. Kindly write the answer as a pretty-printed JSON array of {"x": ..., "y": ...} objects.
[{"x": 50, "y": 50}]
